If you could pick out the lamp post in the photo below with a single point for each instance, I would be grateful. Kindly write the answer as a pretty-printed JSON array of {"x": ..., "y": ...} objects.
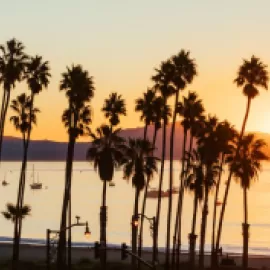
[
  {"x": 51, "y": 241},
  {"x": 152, "y": 222}
]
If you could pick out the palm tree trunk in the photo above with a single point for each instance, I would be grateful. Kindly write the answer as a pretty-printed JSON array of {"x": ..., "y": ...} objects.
[
  {"x": 179, "y": 235},
  {"x": 143, "y": 206},
  {"x": 61, "y": 254},
  {"x": 192, "y": 235},
  {"x": 213, "y": 250},
  {"x": 245, "y": 230},
  {"x": 3, "y": 119},
  {"x": 222, "y": 212},
  {"x": 160, "y": 184},
  {"x": 103, "y": 224},
  {"x": 69, "y": 231},
  {"x": 134, "y": 228},
  {"x": 2, "y": 108},
  {"x": 176, "y": 227},
  {"x": 169, "y": 213},
  {"x": 17, "y": 228},
  {"x": 204, "y": 224}
]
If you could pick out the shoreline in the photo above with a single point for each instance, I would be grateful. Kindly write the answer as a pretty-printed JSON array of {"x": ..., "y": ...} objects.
[{"x": 37, "y": 253}]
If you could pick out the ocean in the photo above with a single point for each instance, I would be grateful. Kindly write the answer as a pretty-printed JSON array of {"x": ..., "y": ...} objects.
[{"x": 86, "y": 200}]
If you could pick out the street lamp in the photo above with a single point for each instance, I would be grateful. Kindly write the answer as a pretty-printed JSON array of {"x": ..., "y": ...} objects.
[
  {"x": 52, "y": 241},
  {"x": 87, "y": 232},
  {"x": 152, "y": 222}
]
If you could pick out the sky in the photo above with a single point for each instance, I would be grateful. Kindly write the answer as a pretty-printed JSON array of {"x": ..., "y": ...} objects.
[{"x": 120, "y": 42}]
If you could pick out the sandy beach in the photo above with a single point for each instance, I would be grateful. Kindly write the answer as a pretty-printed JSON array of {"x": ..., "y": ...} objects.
[{"x": 38, "y": 253}]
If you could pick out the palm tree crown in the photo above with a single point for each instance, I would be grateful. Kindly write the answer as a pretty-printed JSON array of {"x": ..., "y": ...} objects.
[
  {"x": 139, "y": 162},
  {"x": 79, "y": 89},
  {"x": 114, "y": 107},
  {"x": 248, "y": 164},
  {"x": 37, "y": 74},
  {"x": 251, "y": 75},
  {"x": 12, "y": 212},
  {"x": 22, "y": 121},
  {"x": 12, "y": 63},
  {"x": 145, "y": 106},
  {"x": 106, "y": 151},
  {"x": 185, "y": 69}
]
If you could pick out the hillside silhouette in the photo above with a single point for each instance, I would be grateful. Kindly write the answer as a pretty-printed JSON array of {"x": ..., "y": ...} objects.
[{"x": 46, "y": 150}]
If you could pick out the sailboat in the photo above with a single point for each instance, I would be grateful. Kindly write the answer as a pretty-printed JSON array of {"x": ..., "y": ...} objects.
[
  {"x": 35, "y": 185},
  {"x": 4, "y": 182}
]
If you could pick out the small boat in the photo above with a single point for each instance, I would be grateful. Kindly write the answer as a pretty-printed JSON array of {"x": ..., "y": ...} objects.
[
  {"x": 218, "y": 203},
  {"x": 112, "y": 184},
  {"x": 35, "y": 185},
  {"x": 175, "y": 190},
  {"x": 153, "y": 194},
  {"x": 4, "y": 182}
]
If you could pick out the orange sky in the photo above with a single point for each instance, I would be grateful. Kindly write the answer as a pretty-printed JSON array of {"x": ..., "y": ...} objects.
[{"x": 121, "y": 42}]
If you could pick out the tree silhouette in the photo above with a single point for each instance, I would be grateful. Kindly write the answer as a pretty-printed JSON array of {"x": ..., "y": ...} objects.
[
  {"x": 79, "y": 90},
  {"x": 185, "y": 71},
  {"x": 12, "y": 63},
  {"x": 163, "y": 84},
  {"x": 114, "y": 107},
  {"x": 106, "y": 152},
  {"x": 191, "y": 110},
  {"x": 246, "y": 168},
  {"x": 24, "y": 118},
  {"x": 12, "y": 212},
  {"x": 251, "y": 76},
  {"x": 226, "y": 135},
  {"x": 139, "y": 164}
]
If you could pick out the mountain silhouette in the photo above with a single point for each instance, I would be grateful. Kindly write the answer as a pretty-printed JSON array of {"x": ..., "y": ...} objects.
[{"x": 46, "y": 150}]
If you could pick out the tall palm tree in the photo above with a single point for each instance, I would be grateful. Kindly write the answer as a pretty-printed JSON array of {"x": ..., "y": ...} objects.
[
  {"x": 12, "y": 212},
  {"x": 191, "y": 110},
  {"x": 139, "y": 164},
  {"x": 185, "y": 71},
  {"x": 194, "y": 182},
  {"x": 79, "y": 89},
  {"x": 210, "y": 150},
  {"x": 106, "y": 152},
  {"x": 226, "y": 135},
  {"x": 12, "y": 63},
  {"x": 163, "y": 84},
  {"x": 252, "y": 75},
  {"x": 37, "y": 77},
  {"x": 246, "y": 168},
  {"x": 24, "y": 118},
  {"x": 114, "y": 107},
  {"x": 144, "y": 105}
]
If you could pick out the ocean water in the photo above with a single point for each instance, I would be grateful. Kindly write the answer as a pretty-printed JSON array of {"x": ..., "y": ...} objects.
[{"x": 86, "y": 199}]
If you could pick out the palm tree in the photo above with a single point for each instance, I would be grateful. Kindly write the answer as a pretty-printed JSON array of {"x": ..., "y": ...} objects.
[
  {"x": 114, "y": 107},
  {"x": 144, "y": 105},
  {"x": 163, "y": 84},
  {"x": 226, "y": 135},
  {"x": 252, "y": 75},
  {"x": 185, "y": 71},
  {"x": 37, "y": 77},
  {"x": 25, "y": 116},
  {"x": 12, "y": 63},
  {"x": 79, "y": 89},
  {"x": 209, "y": 149},
  {"x": 12, "y": 212},
  {"x": 245, "y": 168},
  {"x": 191, "y": 110},
  {"x": 194, "y": 182},
  {"x": 139, "y": 164},
  {"x": 106, "y": 152}
]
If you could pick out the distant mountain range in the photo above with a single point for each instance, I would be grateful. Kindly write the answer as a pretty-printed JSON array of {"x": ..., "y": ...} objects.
[{"x": 46, "y": 150}]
